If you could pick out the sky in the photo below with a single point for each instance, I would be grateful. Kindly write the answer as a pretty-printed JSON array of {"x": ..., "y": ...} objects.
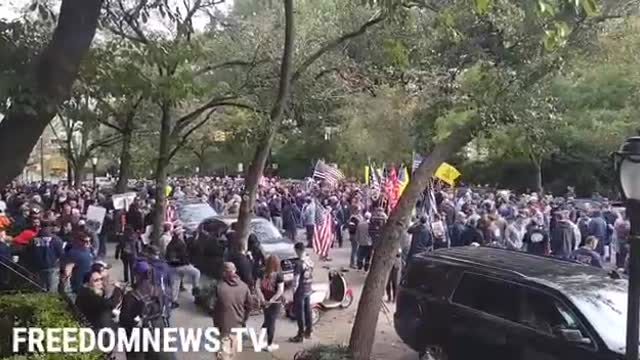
[{"x": 11, "y": 9}]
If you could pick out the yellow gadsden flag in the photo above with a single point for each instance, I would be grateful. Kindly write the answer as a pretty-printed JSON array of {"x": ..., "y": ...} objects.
[{"x": 447, "y": 173}]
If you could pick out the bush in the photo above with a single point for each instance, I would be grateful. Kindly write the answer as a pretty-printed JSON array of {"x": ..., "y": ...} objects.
[
  {"x": 37, "y": 310},
  {"x": 325, "y": 352}
]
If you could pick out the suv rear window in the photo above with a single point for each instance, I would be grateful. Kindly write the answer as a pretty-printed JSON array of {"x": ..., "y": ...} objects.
[{"x": 490, "y": 296}]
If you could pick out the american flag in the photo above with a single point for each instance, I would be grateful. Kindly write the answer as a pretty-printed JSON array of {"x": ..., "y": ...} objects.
[
  {"x": 170, "y": 214},
  {"x": 374, "y": 179},
  {"x": 328, "y": 173},
  {"x": 323, "y": 235}
]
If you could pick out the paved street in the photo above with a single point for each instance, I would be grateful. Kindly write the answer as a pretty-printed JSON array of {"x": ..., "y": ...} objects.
[{"x": 334, "y": 326}]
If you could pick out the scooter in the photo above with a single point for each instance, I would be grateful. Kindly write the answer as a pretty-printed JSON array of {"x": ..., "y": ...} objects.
[{"x": 325, "y": 296}]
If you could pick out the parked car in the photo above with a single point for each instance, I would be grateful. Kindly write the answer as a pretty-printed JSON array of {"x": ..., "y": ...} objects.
[
  {"x": 192, "y": 213},
  {"x": 487, "y": 303},
  {"x": 209, "y": 247}
]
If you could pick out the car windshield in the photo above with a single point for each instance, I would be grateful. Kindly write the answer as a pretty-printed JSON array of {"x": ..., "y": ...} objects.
[
  {"x": 195, "y": 213},
  {"x": 265, "y": 231},
  {"x": 606, "y": 309}
]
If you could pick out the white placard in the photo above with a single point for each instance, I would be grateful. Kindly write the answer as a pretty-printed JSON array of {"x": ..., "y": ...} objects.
[
  {"x": 122, "y": 201},
  {"x": 96, "y": 214}
]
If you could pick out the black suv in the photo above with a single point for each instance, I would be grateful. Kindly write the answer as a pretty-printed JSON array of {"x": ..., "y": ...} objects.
[{"x": 486, "y": 303}]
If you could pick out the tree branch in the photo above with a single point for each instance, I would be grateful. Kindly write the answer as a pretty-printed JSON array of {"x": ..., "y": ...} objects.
[
  {"x": 231, "y": 63},
  {"x": 106, "y": 142},
  {"x": 108, "y": 124},
  {"x": 332, "y": 44},
  {"x": 185, "y": 137},
  {"x": 185, "y": 120}
]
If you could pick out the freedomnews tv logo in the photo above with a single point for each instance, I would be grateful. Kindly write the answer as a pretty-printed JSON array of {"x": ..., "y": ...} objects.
[{"x": 74, "y": 340}]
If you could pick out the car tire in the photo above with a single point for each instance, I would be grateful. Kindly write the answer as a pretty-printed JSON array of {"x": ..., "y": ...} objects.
[{"x": 434, "y": 353}]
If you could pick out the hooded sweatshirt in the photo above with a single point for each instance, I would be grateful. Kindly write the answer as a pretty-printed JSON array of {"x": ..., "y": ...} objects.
[
  {"x": 232, "y": 306},
  {"x": 563, "y": 239}
]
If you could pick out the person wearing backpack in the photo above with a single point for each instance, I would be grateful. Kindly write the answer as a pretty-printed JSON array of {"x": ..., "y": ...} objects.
[
  {"x": 352, "y": 226},
  {"x": 128, "y": 249},
  {"x": 378, "y": 219},
  {"x": 142, "y": 307},
  {"x": 161, "y": 276}
]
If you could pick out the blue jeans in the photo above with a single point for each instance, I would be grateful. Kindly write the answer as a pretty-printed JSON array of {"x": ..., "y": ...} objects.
[
  {"x": 49, "y": 279},
  {"x": 364, "y": 257},
  {"x": 354, "y": 253},
  {"x": 302, "y": 305}
]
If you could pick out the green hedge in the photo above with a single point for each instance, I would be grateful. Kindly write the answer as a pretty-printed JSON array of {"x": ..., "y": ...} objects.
[
  {"x": 39, "y": 310},
  {"x": 325, "y": 352}
]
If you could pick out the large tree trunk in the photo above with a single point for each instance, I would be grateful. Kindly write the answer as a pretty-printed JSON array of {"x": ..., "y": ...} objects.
[
  {"x": 79, "y": 172},
  {"x": 54, "y": 72},
  {"x": 251, "y": 181},
  {"x": 537, "y": 166},
  {"x": 364, "y": 327},
  {"x": 254, "y": 172},
  {"x": 69, "y": 172},
  {"x": 161, "y": 172},
  {"x": 125, "y": 162}
]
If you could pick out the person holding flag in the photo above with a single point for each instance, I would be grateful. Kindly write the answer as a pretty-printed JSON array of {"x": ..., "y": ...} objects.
[{"x": 323, "y": 232}]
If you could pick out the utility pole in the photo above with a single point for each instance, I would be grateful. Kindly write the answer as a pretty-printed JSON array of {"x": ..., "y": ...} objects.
[{"x": 42, "y": 159}]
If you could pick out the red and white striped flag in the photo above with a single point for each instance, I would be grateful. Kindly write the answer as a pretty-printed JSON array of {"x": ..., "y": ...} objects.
[
  {"x": 323, "y": 235},
  {"x": 170, "y": 214}
]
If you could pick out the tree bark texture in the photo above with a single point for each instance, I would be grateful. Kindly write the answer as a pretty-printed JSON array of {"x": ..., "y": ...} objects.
[
  {"x": 537, "y": 166},
  {"x": 124, "y": 172},
  {"x": 255, "y": 170},
  {"x": 364, "y": 328},
  {"x": 78, "y": 172},
  {"x": 54, "y": 72},
  {"x": 161, "y": 172}
]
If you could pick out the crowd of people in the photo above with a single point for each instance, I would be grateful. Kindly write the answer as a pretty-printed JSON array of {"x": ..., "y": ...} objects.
[{"x": 44, "y": 228}]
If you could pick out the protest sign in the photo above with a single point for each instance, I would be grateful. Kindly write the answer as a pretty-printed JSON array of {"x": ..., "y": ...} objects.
[
  {"x": 122, "y": 201},
  {"x": 95, "y": 216}
]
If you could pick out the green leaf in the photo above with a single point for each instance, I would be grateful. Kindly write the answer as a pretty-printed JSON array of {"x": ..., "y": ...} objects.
[
  {"x": 33, "y": 6},
  {"x": 481, "y": 6},
  {"x": 590, "y": 7}
]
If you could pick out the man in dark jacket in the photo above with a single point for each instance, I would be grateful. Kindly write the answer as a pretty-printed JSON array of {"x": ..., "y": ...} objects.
[
  {"x": 44, "y": 253},
  {"x": 352, "y": 227},
  {"x": 598, "y": 227},
  {"x": 77, "y": 262},
  {"x": 378, "y": 219},
  {"x": 142, "y": 307},
  {"x": 177, "y": 255},
  {"x": 275, "y": 210},
  {"x": 302, "y": 280},
  {"x": 563, "y": 237},
  {"x": 457, "y": 231},
  {"x": 536, "y": 239},
  {"x": 290, "y": 216},
  {"x": 243, "y": 263},
  {"x": 94, "y": 303},
  {"x": 420, "y": 238},
  {"x": 586, "y": 253},
  {"x": 232, "y": 307}
]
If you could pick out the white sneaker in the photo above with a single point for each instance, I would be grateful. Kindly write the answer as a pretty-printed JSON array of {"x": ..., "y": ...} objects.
[{"x": 273, "y": 347}]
